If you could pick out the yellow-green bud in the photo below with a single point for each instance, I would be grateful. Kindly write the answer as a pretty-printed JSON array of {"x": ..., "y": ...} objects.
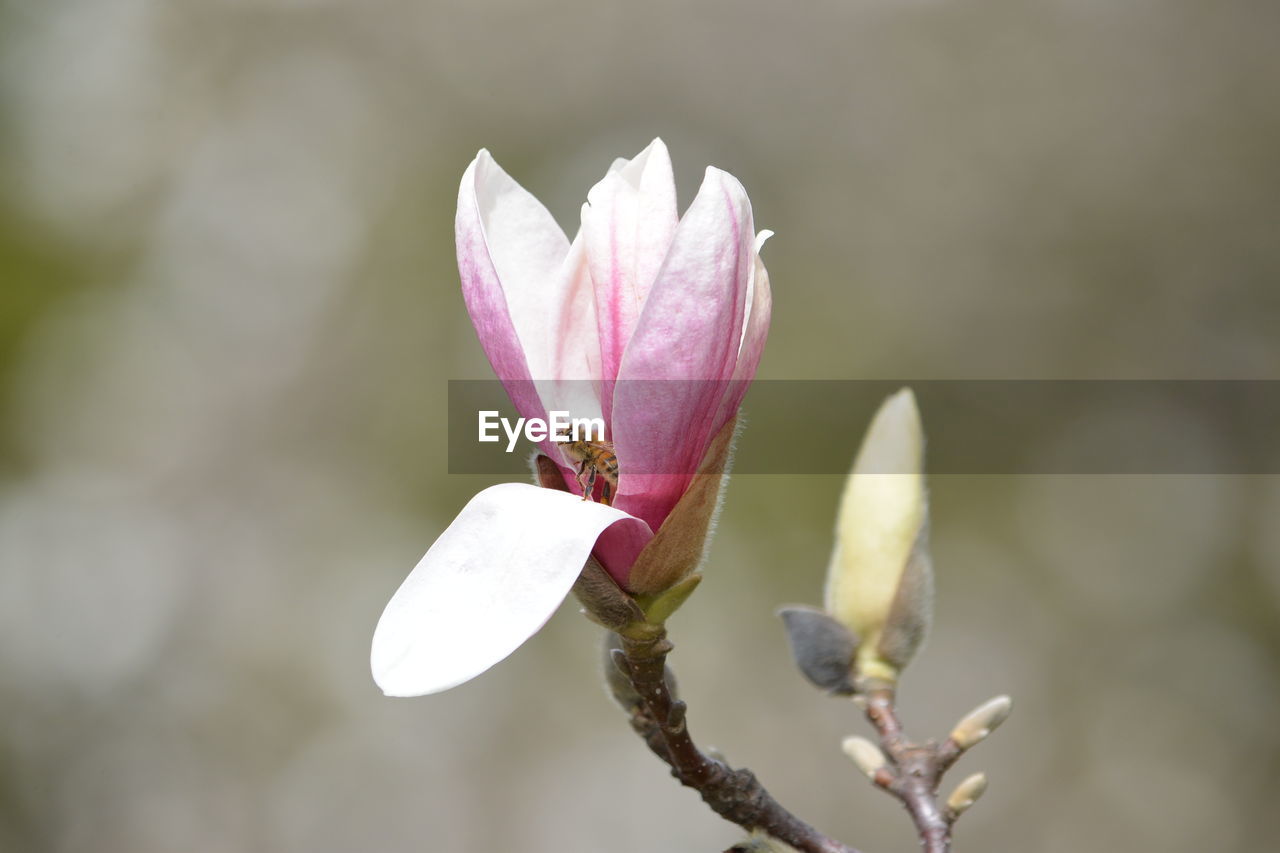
[
  {"x": 981, "y": 721},
  {"x": 966, "y": 794},
  {"x": 865, "y": 754},
  {"x": 880, "y": 580}
]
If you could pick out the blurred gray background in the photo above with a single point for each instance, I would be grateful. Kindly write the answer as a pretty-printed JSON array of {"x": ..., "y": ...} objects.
[{"x": 229, "y": 309}]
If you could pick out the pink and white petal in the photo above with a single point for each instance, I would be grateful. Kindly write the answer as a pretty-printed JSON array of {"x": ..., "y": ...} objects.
[
  {"x": 489, "y": 200},
  {"x": 685, "y": 346},
  {"x": 570, "y": 380},
  {"x": 547, "y": 286},
  {"x": 491, "y": 580},
  {"x": 628, "y": 223},
  {"x": 754, "y": 335},
  {"x": 573, "y": 349},
  {"x": 528, "y": 250},
  {"x": 526, "y": 289}
]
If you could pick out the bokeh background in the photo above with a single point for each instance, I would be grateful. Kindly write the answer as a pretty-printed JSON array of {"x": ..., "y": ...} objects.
[{"x": 229, "y": 309}]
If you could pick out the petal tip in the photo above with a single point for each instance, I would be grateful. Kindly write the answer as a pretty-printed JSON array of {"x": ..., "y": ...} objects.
[
  {"x": 902, "y": 404},
  {"x": 656, "y": 146},
  {"x": 733, "y": 189}
]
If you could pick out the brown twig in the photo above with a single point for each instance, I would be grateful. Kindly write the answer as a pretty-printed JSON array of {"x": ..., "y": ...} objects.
[
  {"x": 917, "y": 770},
  {"x": 734, "y": 794}
]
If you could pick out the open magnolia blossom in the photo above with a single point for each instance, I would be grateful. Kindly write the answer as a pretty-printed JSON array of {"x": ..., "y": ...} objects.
[{"x": 651, "y": 321}]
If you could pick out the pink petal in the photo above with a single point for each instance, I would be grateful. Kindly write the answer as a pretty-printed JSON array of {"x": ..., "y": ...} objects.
[
  {"x": 628, "y": 223},
  {"x": 691, "y": 329},
  {"x": 529, "y": 294},
  {"x": 618, "y": 547},
  {"x": 754, "y": 334},
  {"x": 491, "y": 580}
]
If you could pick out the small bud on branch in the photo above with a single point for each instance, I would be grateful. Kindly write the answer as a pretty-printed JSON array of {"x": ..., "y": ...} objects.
[
  {"x": 965, "y": 795},
  {"x": 865, "y": 754},
  {"x": 975, "y": 726}
]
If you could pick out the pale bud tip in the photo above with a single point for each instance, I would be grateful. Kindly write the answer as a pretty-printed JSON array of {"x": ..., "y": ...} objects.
[
  {"x": 865, "y": 754},
  {"x": 967, "y": 793},
  {"x": 981, "y": 721},
  {"x": 894, "y": 442}
]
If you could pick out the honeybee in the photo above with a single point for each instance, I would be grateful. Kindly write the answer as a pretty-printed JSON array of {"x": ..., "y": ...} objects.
[{"x": 592, "y": 459}]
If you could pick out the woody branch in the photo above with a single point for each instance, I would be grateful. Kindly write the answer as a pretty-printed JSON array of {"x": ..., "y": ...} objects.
[
  {"x": 913, "y": 773},
  {"x": 734, "y": 794}
]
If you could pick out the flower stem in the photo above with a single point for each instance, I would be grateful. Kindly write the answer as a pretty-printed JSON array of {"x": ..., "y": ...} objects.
[
  {"x": 734, "y": 794},
  {"x": 919, "y": 769}
]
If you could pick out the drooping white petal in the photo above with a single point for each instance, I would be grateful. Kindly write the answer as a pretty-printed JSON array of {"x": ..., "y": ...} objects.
[{"x": 491, "y": 580}]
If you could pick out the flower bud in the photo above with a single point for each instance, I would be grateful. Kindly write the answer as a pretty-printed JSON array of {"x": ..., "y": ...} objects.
[
  {"x": 981, "y": 721},
  {"x": 865, "y": 754},
  {"x": 966, "y": 794},
  {"x": 615, "y": 676},
  {"x": 880, "y": 580}
]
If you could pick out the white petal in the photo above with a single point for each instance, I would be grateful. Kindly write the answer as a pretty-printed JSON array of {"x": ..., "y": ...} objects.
[
  {"x": 528, "y": 251},
  {"x": 491, "y": 580}
]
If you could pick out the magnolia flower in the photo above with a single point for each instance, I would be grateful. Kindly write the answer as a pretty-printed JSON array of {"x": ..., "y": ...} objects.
[{"x": 651, "y": 321}]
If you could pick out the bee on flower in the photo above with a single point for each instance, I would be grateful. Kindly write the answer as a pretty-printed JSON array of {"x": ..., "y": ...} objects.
[{"x": 593, "y": 459}]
